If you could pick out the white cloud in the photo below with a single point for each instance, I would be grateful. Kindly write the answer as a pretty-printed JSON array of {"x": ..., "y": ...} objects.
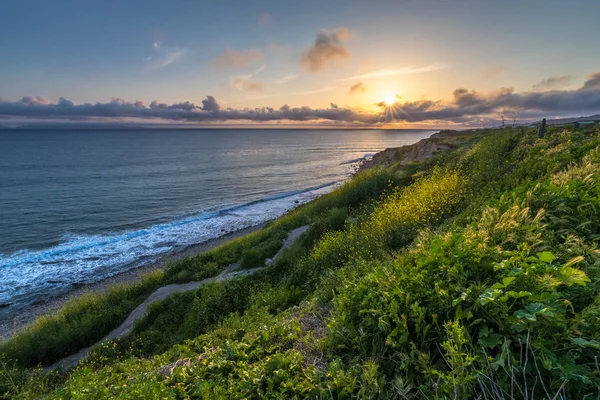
[
  {"x": 285, "y": 79},
  {"x": 164, "y": 56},
  {"x": 392, "y": 72}
]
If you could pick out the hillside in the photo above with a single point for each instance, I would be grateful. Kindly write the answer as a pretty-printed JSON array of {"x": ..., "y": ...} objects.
[{"x": 465, "y": 266}]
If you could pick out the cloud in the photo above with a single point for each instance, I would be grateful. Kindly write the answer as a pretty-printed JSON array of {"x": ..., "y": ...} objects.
[
  {"x": 593, "y": 81},
  {"x": 264, "y": 19},
  {"x": 553, "y": 82},
  {"x": 238, "y": 59},
  {"x": 392, "y": 72},
  {"x": 466, "y": 106},
  {"x": 286, "y": 79},
  {"x": 326, "y": 48},
  {"x": 164, "y": 56},
  {"x": 357, "y": 88},
  {"x": 210, "y": 104},
  {"x": 35, "y": 100},
  {"x": 246, "y": 83}
]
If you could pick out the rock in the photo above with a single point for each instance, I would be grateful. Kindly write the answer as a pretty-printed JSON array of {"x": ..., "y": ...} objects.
[
  {"x": 4, "y": 305},
  {"x": 269, "y": 262},
  {"x": 77, "y": 285},
  {"x": 168, "y": 370}
]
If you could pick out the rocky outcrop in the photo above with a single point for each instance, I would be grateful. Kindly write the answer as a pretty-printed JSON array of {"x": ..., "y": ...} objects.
[{"x": 423, "y": 149}]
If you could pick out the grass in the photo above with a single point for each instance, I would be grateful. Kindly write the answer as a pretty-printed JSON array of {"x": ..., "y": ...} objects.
[{"x": 473, "y": 274}]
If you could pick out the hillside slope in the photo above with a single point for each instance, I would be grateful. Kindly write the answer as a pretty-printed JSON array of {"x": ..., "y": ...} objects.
[{"x": 469, "y": 272}]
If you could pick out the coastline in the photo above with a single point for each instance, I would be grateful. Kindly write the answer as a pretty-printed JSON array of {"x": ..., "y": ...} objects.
[{"x": 25, "y": 316}]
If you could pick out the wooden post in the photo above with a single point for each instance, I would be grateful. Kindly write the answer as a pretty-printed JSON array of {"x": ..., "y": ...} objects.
[
  {"x": 522, "y": 131},
  {"x": 542, "y": 130}
]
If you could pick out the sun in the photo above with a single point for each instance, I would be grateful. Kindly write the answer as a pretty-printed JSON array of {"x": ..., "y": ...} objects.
[{"x": 390, "y": 99}]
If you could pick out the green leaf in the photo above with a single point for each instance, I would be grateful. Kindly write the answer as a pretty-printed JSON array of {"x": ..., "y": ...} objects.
[
  {"x": 514, "y": 295},
  {"x": 508, "y": 280},
  {"x": 585, "y": 343},
  {"x": 462, "y": 298},
  {"x": 522, "y": 314},
  {"x": 489, "y": 295},
  {"x": 491, "y": 340},
  {"x": 546, "y": 256},
  {"x": 573, "y": 276}
]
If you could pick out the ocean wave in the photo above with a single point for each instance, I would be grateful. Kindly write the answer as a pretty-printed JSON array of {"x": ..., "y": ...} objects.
[{"x": 26, "y": 276}]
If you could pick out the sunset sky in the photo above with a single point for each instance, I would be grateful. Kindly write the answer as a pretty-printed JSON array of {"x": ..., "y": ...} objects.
[{"x": 338, "y": 63}]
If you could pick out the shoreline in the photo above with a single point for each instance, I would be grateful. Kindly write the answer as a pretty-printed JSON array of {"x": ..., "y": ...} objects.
[{"x": 23, "y": 317}]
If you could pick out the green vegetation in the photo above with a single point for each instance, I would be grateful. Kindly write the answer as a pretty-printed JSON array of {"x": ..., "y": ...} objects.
[{"x": 472, "y": 274}]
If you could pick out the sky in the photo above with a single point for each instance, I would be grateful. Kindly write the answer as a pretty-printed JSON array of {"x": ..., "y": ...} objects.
[{"x": 404, "y": 63}]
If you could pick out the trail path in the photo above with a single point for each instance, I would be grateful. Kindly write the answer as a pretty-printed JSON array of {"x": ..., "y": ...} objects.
[{"x": 163, "y": 292}]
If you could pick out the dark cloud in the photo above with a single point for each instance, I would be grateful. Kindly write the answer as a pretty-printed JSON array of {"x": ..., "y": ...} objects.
[
  {"x": 593, "y": 81},
  {"x": 327, "y": 47},
  {"x": 554, "y": 82},
  {"x": 357, "y": 88},
  {"x": 35, "y": 100},
  {"x": 466, "y": 106},
  {"x": 210, "y": 104},
  {"x": 238, "y": 59}
]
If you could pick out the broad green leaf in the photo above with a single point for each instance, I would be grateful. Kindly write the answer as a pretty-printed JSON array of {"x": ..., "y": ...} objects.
[
  {"x": 508, "y": 280},
  {"x": 546, "y": 256},
  {"x": 489, "y": 295}
]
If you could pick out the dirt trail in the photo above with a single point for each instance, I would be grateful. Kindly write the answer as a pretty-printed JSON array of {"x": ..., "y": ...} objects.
[{"x": 163, "y": 292}]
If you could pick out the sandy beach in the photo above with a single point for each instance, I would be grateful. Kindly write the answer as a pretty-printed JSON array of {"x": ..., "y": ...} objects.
[{"x": 22, "y": 317}]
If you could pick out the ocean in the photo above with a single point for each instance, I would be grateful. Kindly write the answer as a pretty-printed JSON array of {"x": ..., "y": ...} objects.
[{"x": 79, "y": 206}]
